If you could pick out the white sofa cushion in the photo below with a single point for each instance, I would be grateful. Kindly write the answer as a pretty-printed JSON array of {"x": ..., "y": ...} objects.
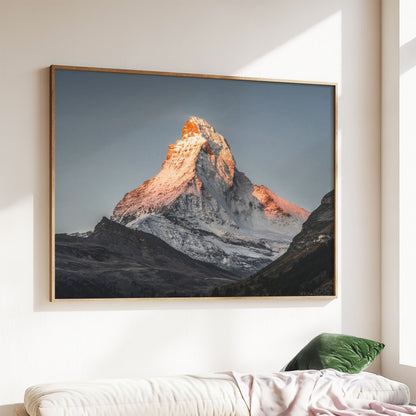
[
  {"x": 369, "y": 386},
  {"x": 213, "y": 395}
]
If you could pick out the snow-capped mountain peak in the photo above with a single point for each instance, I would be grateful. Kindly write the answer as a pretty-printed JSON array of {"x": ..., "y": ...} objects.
[
  {"x": 199, "y": 150},
  {"x": 202, "y": 205},
  {"x": 198, "y": 136}
]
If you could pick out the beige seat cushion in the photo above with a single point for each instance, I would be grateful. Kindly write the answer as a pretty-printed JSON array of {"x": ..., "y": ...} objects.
[{"x": 174, "y": 396}]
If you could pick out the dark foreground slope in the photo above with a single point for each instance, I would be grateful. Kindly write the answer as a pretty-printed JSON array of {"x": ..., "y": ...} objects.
[
  {"x": 307, "y": 268},
  {"x": 117, "y": 262}
]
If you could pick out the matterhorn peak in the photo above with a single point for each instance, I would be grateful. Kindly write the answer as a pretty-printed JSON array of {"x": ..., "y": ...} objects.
[
  {"x": 201, "y": 155},
  {"x": 216, "y": 140},
  {"x": 191, "y": 141},
  {"x": 196, "y": 125},
  {"x": 202, "y": 150},
  {"x": 191, "y": 127},
  {"x": 202, "y": 205}
]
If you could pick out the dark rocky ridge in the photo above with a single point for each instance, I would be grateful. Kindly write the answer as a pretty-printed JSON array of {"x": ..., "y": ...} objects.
[
  {"x": 117, "y": 262},
  {"x": 307, "y": 268}
]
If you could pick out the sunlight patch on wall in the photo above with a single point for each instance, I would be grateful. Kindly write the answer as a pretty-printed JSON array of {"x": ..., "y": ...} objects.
[{"x": 320, "y": 59}]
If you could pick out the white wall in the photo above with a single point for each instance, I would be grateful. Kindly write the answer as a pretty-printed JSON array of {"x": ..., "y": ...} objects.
[
  {"x": 407, "y": 194},
  {"x": 323, "y": 40},
  {"x": 398, "y": 191}
]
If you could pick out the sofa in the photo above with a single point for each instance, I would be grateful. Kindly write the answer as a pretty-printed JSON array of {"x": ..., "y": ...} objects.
[{"x": 223, "y": 394}]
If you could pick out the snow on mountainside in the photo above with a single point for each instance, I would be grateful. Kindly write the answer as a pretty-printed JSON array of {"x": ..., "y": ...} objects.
[{"x": 202, "y": 205}]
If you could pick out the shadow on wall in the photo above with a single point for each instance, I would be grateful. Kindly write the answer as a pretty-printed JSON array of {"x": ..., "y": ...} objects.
[
  {"x": 407, "y": 56},
  {"x": 259, "y": 29}
]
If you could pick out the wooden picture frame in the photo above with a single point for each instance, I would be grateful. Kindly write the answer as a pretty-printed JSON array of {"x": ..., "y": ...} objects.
[{"x": 243, "y": 205}]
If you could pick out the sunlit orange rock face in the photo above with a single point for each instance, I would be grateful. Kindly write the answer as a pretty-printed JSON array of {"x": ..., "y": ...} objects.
[
  {"x": 199, "y": 145},
  {"x": 271, "y": 208},
  {"x": 190, "y": 128},
  {"x": 215, "y": 145},
  {"x": 275, "y": 206}
]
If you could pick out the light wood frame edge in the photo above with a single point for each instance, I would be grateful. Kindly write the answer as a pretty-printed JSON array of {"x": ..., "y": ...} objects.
[
  {"x": 52, "y": 69},
  {"x": 52, "y": 184},
  {"x": 336, "y": 190}
]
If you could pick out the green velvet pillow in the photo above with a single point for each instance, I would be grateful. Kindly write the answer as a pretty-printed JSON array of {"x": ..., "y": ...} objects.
[{"x": 344, "y": 353}]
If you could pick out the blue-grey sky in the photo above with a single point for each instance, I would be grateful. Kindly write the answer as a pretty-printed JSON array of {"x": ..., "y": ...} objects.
[{"x": 112, "y": 132}]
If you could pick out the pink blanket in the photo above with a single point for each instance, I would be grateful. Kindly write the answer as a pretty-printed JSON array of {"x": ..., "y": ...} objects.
[{"x": 311, "y": 392}]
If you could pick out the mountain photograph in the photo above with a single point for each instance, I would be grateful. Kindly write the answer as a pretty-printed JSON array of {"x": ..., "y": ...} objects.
[{"x": 203, "y": 225}]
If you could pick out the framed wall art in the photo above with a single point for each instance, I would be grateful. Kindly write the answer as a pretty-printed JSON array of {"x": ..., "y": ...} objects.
[{"x": 167, "y": 185}]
